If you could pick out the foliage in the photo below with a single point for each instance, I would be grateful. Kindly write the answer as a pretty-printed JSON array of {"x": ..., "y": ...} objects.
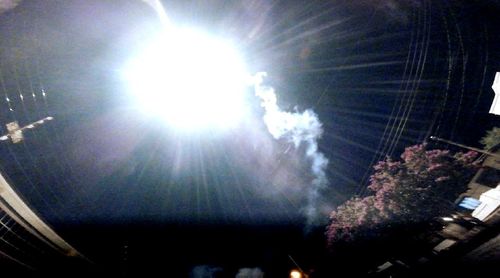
[
  {"x": 420, "y": 186},
  {"x": 491, "y": 139}
]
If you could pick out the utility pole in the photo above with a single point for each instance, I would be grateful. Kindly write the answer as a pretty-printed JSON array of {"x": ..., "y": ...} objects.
[
  {"x": 464, "y": 146},
  {"x": 16, "y": 133}
]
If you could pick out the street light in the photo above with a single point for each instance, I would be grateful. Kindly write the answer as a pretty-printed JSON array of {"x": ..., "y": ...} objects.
[
  {"x": 189, "y": 78},
  {"x": 295, "y": 274}
]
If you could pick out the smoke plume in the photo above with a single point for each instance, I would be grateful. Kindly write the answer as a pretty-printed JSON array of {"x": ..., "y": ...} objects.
[
  {"x": 205, "y": 271},
  {"x": 250, "y": 273},
  {"x": 299, "y": 128}
]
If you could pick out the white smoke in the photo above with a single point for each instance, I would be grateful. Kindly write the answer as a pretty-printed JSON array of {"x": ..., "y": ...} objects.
[
  {"x": 299, "y": 128},
  {"x": 205, "y": 271},
  {"x": 250, "y": 273}
]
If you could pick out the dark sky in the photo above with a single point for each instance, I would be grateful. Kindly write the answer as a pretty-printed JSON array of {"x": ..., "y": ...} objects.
[{"x": 381, "y": 75}]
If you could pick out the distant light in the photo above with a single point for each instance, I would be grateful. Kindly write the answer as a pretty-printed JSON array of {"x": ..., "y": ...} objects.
[
  {"x": 295, "y": 274},
  {"x": 469, "y": 203},
  {"x": 447, "y": 219},
  {"x": 190, "y": 79}
]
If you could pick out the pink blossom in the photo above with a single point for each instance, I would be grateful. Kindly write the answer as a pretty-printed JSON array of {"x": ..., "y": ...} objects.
[{"x": 402, "y": 191}]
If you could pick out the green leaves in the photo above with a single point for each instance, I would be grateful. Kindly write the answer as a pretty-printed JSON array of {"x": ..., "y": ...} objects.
[{"x": 491, "y": 139}]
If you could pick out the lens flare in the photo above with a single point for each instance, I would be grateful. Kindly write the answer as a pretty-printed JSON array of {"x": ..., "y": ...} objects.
[{"x": 191, "y": 79}]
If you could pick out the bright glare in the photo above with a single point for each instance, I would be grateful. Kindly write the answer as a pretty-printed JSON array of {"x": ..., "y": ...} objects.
[
  {"x": 295, "y": 274},
  {"x": 190, "y": 79}
]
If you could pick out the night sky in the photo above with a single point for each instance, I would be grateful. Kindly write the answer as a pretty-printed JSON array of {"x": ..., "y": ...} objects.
[{"x": 381, "y": 75}]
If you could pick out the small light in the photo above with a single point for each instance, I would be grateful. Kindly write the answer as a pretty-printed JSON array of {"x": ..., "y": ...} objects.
[
  {"x": 3, "y": 138},
  {"x": 30, "y": 126},
  {"x": 295, "y": 274},
  {"x": 49, "y": 118},
  {"x": 447, "y": 219}
]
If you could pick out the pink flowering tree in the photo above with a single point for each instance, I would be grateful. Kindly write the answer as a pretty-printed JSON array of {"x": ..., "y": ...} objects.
[{"x": 415, "y": 189}]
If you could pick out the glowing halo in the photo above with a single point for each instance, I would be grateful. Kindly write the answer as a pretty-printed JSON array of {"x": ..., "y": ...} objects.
[{"x": 189, "y": 78}]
